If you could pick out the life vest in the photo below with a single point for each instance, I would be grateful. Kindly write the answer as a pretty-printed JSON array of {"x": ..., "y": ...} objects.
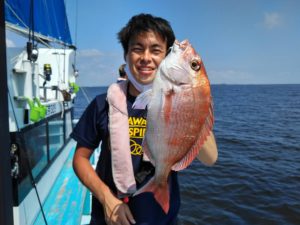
[{"x": 122, "y": 168}]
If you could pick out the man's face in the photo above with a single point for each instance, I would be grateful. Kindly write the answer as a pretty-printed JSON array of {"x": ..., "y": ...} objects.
[{"x": 145, "y": 53}]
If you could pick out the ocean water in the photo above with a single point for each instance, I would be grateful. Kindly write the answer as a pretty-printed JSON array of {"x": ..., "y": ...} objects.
[{"x": 256, "y": 179}]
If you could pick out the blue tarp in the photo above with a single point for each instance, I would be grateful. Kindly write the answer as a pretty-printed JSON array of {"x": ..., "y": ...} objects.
[{"x": 50, "y": 18}]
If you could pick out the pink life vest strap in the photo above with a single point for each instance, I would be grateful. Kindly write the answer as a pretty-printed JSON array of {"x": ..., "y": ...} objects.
[{"x": 122, "y": 168}]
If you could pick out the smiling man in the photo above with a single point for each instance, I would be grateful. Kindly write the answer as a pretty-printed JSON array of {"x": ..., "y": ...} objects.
[{"x": 111, "y": 120}]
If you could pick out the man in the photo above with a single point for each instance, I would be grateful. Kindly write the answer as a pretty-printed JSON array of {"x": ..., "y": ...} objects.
[
  {"x": 122, "y": 73},
  {"x": 145, "y": 40}
]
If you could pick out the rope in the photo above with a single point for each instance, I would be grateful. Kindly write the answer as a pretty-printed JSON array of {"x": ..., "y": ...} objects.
[{"x": 85, "y": 95}]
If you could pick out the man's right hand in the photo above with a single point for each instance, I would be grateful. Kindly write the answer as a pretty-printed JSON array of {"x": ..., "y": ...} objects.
[{"x": 117, "y": 212}]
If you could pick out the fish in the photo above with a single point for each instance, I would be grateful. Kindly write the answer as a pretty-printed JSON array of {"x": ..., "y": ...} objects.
[{"x": 179, "y": 117}]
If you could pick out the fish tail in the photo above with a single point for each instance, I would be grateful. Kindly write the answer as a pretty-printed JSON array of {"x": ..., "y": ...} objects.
[
  {"x": 160, "y": 192},
  {"x": 162, "y": 196}
]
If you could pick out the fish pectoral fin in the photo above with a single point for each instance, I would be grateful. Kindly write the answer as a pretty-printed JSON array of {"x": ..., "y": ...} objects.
[
  {"x": 194, "y": 151},
  {"x": 142, "y": 100}
]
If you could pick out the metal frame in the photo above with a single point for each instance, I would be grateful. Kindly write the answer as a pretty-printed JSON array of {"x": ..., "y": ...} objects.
[{"x": 6, "y": 200}]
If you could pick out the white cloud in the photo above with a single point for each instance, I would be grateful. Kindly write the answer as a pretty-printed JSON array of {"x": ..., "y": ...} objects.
[
  {"x": 272, "y": 20},
  {"x": 10, "y": 43},
  {"x": 89, "y": 53}
]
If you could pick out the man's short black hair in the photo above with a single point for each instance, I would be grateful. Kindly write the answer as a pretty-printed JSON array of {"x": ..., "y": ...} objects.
[{"x": 144, "y": 23}]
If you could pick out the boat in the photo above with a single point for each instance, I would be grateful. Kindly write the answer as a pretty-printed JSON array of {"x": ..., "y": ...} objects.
[{"x": 38, "y": 185}]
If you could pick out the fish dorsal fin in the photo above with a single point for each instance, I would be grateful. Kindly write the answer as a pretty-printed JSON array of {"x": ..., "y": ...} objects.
[
  {"x": 142, "y": 100},
  {"x": 190, "y": 156}
]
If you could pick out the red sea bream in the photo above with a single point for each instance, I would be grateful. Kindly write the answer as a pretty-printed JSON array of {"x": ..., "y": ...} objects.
[{"x": 179, "y": 119}]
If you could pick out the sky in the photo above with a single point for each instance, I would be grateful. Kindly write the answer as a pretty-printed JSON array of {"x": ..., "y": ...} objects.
[{"x": 240, "y": 41}]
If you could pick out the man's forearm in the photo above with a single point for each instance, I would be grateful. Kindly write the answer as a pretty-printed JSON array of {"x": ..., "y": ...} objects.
[
  {"x": 88, "y": 175},
  {"x": 208, "y": 154}
]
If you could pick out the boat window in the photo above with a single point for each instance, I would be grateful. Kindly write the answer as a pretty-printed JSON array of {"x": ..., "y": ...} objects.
[
  {"x": 56, "y": 136},
  {"x": 41, "y": 143},
  {"x": 68, "y": 124},
  {"x": 36, "y": 147}
]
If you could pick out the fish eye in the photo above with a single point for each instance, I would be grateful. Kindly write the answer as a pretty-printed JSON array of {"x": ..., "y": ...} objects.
[{"x": 195, "y": 64}]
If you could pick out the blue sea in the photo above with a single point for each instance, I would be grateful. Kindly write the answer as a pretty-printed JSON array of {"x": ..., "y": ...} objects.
[{"x": 256, "y": 179}]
